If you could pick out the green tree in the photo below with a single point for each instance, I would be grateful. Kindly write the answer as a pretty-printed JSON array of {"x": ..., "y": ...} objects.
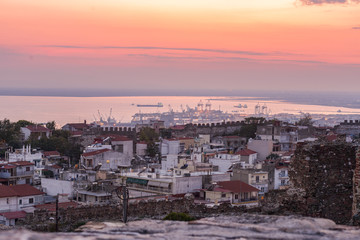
[
  {"x": 59, "y": 141},
  {"x": 23, "y": 123},
  {"x": 305, "y": 121},
  {"x": 150, "y": 137},
  {"x": 249, "y": 129},
  {"x": 9, "y": 133},
  {"x": 51, "y": 125}
]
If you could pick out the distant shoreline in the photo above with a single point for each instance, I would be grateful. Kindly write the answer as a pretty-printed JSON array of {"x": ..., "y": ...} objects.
[{"x": 322, "y": 100}]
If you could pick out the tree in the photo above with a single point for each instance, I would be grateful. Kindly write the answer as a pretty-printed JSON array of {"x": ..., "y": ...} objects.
[
  {"x": 9, "y": 133},
  {"x": 51, "y": 125},
  {"x": 150, "y": 137},
  {"x": 305, "y": 121},
  {"x": 23, "y": 123},
  {"x": 249, "y": 129}
]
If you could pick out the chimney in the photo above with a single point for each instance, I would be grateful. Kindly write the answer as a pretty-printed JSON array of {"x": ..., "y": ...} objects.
[{"x": 85, "y": 121}]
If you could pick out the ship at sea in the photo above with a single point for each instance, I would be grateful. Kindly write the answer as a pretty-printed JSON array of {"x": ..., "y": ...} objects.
[
  {"x": 241, "y": 106},
  {"x": 150, "y": 105}
]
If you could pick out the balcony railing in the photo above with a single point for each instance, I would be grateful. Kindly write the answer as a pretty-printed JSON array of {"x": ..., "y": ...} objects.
[
  {"x": 25, "y": 173},
  {"x": 283, "y": 175},
  {"x": 258, "y": 182},
  {"x": 5, "y": 175}
]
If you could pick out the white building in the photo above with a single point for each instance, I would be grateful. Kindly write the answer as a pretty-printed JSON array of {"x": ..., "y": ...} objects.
[
  {"x": 170, "y": 146},
  {"x": 141, "y": 148},
  {"x": 248, "y": 156},
  {"x": 169, "y": 162},
  {"x": 14, "y": 199},
  {"x": 24, "y": 154},
  {"x": 54, "y": 187},
  {"x": 35, "y": 131},
  {"x": 281, "y": 177},
  {"x": 108, "y": 159},
  {"x": 224, "y": 161}
]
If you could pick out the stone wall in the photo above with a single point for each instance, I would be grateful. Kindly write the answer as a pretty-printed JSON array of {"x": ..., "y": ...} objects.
[
  {"x": 322, "y": 183},
  {"x": 356, "y": 193},
  {"x": 40, "y": 220},
  {"x": 213, "y": 129}
]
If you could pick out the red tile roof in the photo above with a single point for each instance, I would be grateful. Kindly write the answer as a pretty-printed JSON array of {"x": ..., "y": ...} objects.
[
  {"x": 331, "y": 138},
  {"x": 6, "y": 191},
  {"x": 76, "y": 133},
  {"x": 120, "y": 138},
  {"x": 55, "y": 166},
  {"x": 51, "y": 153},
  {"x": 37, "y": 128},
  {"x": 237, "y": 186},
  {"x": 7, "y": 166},
  {"x": 52, "y": 207},
  {"x": 221, "y": 190},
  {"x": 13, "y": 215},
  {"x": 22, "y": 163},
  {"x": 245, "y": 152},
  {"x": 88, "y": 154},
  {"x": 23, "y": 190}
]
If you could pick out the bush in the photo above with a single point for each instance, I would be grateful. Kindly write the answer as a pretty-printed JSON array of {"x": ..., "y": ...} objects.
[{"x": 179, "y": 217}]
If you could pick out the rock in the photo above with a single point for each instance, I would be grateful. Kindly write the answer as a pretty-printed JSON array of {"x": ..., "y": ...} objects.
[{"x": 245, "y": 226}]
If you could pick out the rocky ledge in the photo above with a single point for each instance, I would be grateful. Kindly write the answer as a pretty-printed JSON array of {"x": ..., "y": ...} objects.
[{"x": 246, "y": 226}]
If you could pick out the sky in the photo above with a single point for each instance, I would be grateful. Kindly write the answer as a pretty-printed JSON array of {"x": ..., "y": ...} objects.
[{"x": 180, "y": 45}]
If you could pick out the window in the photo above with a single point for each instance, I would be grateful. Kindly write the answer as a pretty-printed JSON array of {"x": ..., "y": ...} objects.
[
  {"x": 120, "y": 148},
  {"x": 262, "y": 189},
  {"x": 236, "y": 196},
  {"x": 27, "y": 181},
  {"x": 223, "y": 195},
  {"x": 27, "y": 169},
  {"x": 31, "y": 200},
  {"x": 257, "y": 178},
  {"x": 20, "y": 201},
  {"x": 7, "y": 200}
]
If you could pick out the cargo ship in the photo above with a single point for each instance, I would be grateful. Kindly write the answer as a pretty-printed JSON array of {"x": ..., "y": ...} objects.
[{"x": 150, "y": 105}]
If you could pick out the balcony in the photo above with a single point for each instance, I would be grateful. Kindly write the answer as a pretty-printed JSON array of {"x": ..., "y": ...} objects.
[
  {"x": 258, "y": 182},
  {"x": 24, "y": 173},
  {"x": 5, "y": 175},
  {"x": 283, "y": 175}
]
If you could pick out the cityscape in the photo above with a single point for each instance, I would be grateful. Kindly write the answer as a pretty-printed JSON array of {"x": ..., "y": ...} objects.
[{"x": 180, "y": 120}]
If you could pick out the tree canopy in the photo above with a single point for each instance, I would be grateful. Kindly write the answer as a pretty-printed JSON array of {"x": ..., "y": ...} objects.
[{"x": 305, "y": 121}]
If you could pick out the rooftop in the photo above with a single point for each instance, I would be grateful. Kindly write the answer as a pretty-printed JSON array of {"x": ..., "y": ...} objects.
[
  {"x": 236, "y": 186},
  {"x": 93, "y": 153},
  {"x": 245, "y": 152}
]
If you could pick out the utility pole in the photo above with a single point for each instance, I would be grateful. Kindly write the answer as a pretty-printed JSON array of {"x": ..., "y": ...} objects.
[
  {"x": 125, "y": 202},
  {"x": 123, "y": 194},
  {"x": 57, "y": 214}
]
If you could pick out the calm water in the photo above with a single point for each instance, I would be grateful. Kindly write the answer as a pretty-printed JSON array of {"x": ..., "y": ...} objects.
[{"x": 77, "y": 109}]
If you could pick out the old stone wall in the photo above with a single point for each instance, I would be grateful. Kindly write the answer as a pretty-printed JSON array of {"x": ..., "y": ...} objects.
[
  {"x": 356, "y": 192},
  {"x": 41, "y": 219},
  {"x": 322, "y": 182},
  {"x": 213, "y": 129}
]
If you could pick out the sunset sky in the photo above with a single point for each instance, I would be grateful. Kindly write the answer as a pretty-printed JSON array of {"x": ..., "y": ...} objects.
[{"x": 227, "y": 45}]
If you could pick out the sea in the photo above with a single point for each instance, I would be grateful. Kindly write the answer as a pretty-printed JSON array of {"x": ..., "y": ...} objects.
[{"x": 62, "y": 110}]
